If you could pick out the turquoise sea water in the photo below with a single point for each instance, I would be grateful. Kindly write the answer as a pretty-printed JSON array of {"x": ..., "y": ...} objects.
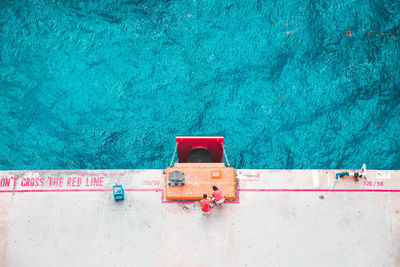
[{"x": 108, "y": 84}]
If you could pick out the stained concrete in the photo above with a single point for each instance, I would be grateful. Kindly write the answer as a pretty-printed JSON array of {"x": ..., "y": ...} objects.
[{"x": 301, "y": 222}]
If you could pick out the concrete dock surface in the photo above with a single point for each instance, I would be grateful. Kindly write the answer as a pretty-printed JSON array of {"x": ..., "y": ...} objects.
[{"x": 279, "y": 218}]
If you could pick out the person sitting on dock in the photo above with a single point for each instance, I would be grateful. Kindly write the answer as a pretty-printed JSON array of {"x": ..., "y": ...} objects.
[
  {"x": 218, "y": 196},
  {"x": 205, "y": 204}
]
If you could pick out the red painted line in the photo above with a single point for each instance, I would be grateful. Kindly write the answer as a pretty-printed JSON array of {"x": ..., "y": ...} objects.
[
  {"x": 162, "y": 190},
  {"x": 56, "y": 190}
]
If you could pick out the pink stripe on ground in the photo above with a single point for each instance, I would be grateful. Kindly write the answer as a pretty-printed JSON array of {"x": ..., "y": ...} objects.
[
  {"x": 73, "y": 190},
  {"x": 55, "y": 190},
  {"x": 245, "y": 190},
  {"x": 305, "y": 190}
]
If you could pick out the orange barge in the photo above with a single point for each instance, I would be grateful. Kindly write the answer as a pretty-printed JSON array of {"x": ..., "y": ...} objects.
[{"x": 199, "y": 167}]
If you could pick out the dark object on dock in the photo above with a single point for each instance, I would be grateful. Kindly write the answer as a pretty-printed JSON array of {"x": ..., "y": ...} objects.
[
  {"x": 176, "y": 178},
  {"x": 118, "y": 192},
  {"x": 200, "y": 155}
]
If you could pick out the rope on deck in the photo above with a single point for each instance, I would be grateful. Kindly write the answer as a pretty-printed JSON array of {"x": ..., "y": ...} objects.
[
  {"x": 173, "y": 156},
  {"x": 226, "y": 157}
]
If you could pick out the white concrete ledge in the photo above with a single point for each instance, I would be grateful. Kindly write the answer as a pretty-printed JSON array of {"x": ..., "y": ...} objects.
[{"x": 280, "y": 218}]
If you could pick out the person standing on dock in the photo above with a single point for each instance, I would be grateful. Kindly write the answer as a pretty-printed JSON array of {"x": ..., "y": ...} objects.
[
  {"x": 218, "y": 196},
  {"x": 205, "y": 204}
]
